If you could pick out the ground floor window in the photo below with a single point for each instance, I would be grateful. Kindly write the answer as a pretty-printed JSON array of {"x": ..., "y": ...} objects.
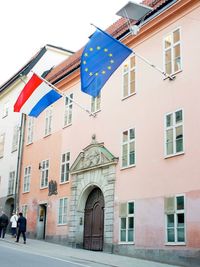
[
  {"x": 62, "y": 214},
  {"x": 127, "y": 222}
]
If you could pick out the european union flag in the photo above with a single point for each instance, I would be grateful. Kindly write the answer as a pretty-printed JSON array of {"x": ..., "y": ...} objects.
[{"x": 102, "y": 55}]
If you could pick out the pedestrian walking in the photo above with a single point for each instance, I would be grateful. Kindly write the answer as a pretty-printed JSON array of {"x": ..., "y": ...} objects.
[
  {"x": 21, "y": 224},
  {"x": 13, "y": 221},
  {"x": 3, "y": 224}
]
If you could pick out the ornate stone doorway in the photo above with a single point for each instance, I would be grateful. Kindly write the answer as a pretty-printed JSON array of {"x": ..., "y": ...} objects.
[{"x": 94, "y": 221}]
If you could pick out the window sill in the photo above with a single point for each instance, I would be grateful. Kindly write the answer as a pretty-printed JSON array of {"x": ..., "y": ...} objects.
[
  {"x": 128, "y": 167},
  {"x": 66, "y": 126},
  {"x": 128, "y": 96},
  {"x": 66, "y": 182},
  {"x": 173, "y": 74},
  {"x": 176, "y": 244},
  {"x": 126, "y": 243},
  {"x": 14, "y": 150},
  {"x": 45, "y": 187},
  {"x": 174, "y": 155},
  {"x": 26, "y": 192},
  {"x": 95, "y": 112},
  {"x": 47, "y": 135},
  {"x": 62, "y": 224},
  {"x": 28, "y": 144}
]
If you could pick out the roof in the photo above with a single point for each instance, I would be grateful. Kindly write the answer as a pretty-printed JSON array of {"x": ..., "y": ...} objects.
[
  {"x": 117, "y": 30},
  {"x": 30, "y": 64}
]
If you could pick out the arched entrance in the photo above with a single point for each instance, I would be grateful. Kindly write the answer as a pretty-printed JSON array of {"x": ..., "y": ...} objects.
[{"x": 94, "y": 221}]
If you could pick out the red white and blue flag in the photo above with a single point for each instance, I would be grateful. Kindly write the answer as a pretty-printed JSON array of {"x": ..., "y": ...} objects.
[{"x": 35, "y": 97}]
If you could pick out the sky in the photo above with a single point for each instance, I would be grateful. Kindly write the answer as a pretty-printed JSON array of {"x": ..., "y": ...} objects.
[{"x": 26, "y": 26}]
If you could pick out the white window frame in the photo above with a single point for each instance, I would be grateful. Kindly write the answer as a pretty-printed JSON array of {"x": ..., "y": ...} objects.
[
  {"x": 27, "y": 179},
  {"x": 48, "y": 121},
  {"x": 183, "y": 211},
  {"x": 96, "y": 103},
  {"x": 62, "y": 212},
  {"x": 129, "y": 215},
  {"x": 24, "y": 209},
  {"x": 172, "y": 51},
  {"x": 44, "y": 174},
  {"x": 68, "y": 109},
  {"x": 2, "y": 144},
  {"x": 129, "y": 70},
  {"x": 128, "y": 142},
  {"x": 66, "y": 165},
  {"x": 11, "y": 183},
  {"x": 30, "y": 126},
  {"x": 5, "y": 109},
  {"x": 173, "y": 127},
  {"x": 15, "y": 138}
]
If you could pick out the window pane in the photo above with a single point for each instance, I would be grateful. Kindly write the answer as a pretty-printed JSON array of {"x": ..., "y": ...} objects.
[
  {"x": 130, "y": 235},
  {"x": 132, "y": 153},
  {"x": 169, "y": 120},
  {"x": 126, "y": 68},
  {"x": 168, "y": 41},
  {"x": 132, "y": 82},
  {"x": 170, "y": 220},
  {"x": 179, "y": 139},
  {"x": 132, "y": 134},
  {"x": 170, "y": 235},
  {"x": 132, "y": 60},
  {"x": 131, "y": 208},
  {"x": 181, "y": 235},
  {"x": 125, "y": 156},
  {"x": 168, "y": 68},
  {"x": 123, "y": 223},
  {"x": 176, "y": 36},
  {"x": 180, "y": 220},
  {"x": 180, "y": 203},
  {"x": 123, "y": 236},
  {"x": 169, "y": 142},
  {"x": 125, "y": 136},
  {"x": 179, "y": 116},
  {"x": 126, "y": 84},
  {"x": 130, "y": 223},
  {"x": 168, "y": 56}
]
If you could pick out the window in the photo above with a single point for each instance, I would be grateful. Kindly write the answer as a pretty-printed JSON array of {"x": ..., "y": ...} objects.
[
  {"x": 62, "y": 214},
  {"x": 24, "y": 210},
  {"x": 127, "y": 222},
  {"x": 65, "y": 167},
  {"x": 48, "y": 121},
  {"x": 129, "y": 77},
  {"x": 175, "y": 219},
  {"x": 174, "y": 133},
  {"x": 5, "y": 110},
  {"x": 172, "y": 52},
  {"x": 27, "y": 176},
  {"x": 30, "y": 130},
  {"x": 11, "y": 183},
  {"x": 128, "y": 148},
  {"x": 68, "y": 110},
  {"x": 44, "y": 174},
  {"x": 15, "y": 138},
  {"x": 96, "y": 103},
  {"x": 2, "y": 141}
]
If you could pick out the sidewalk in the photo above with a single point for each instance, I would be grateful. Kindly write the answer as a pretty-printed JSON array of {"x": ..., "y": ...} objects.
[{"x": 65, "y": 253}]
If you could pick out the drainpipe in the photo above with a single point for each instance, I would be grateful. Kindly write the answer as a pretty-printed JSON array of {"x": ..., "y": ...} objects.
[{"x": 19, "y": 161}]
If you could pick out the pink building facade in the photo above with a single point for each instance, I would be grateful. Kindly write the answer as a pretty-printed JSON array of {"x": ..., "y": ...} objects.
[{"x": 133, "y": 187}]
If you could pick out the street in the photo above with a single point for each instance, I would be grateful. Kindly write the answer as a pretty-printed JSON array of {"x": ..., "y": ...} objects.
[{"x": 38, "y": 253}]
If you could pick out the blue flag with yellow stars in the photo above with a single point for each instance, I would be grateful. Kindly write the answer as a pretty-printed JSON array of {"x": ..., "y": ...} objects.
[{"x": 102, "y": 55}]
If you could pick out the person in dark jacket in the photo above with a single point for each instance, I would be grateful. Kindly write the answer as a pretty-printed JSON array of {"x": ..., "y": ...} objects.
[
  {"x": 3, "y": 224},
  {"x": 21, "y": 224}
]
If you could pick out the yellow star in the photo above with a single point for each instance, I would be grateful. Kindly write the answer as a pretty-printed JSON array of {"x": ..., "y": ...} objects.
[
  {"x": 109, "y": 67},
  {"x": 111, "y": 61},
  {"x": 103, "y": 72},
  {"x": 98, "y": 47},
  {"x": 90, "y": 73},
  {"x": 96, "y": 74},
  {"x": 84, "y": 62},
  {"x": 105, "y": 50},
  {"x": 86, "y": 54},
  {"x": 91, "y": 49},
  {"x": 110, "y": 55},
  {"x": 86, "y": 69}
]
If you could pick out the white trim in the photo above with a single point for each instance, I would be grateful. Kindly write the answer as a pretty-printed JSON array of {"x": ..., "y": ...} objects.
[
  {"x": 128, "y": 143},
  {"x": 46, "y": 186}
]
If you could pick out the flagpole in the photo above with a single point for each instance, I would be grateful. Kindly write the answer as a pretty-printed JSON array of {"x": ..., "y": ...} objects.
[
  {"x": 171, "y": 78},
  {"x": 63, "y": 94}
]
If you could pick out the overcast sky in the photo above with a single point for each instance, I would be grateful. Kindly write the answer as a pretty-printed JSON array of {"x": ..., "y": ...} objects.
[{"x": 26, "y": 26}]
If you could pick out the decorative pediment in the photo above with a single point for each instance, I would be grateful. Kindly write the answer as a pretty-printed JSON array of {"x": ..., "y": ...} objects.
[{"x": 93, "y": 156}]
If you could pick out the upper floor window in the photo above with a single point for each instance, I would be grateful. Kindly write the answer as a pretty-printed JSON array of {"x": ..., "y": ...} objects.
[
  {"x": 128, "y": 148},
  {"x": 68, "y": 110},
  {"x": 11, "y": 183},
  {"x": 24, "y": 209},
  {"x": 129, "y": 77},
  {"x": 48, "y": 121},
  {"x": 174, "y": 133},
  {"x": 5, "y": 109},
  {"x": 44, "y": 174},
  {"x": 15, "y": 138},
  {"x": 65, "y": 167},
  {"x": 30, "y": 130},
  {"x": 127, "y": 222},
  {"x": 27, "y": 177},
  {"x": 62, "y": 213},
  {"x": 2, "y": 141},
  {"x": 96, "y": 103},
  {"x": 172, "y": 52},
  {"x": 175, "y": 219}
]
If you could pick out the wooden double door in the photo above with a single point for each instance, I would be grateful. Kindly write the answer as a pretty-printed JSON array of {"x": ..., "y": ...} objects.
[{"x": 94, "y": 221}]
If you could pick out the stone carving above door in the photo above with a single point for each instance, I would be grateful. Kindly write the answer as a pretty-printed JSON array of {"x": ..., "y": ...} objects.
[{"x": 93, "y": 156}]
